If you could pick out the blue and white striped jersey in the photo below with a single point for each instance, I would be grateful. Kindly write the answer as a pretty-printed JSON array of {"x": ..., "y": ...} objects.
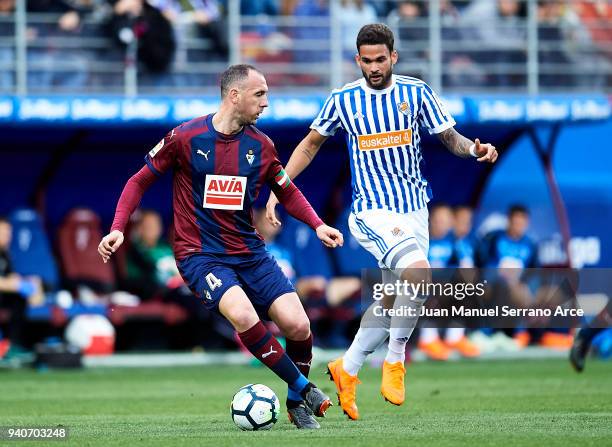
[{"x": 382, "y": 135}]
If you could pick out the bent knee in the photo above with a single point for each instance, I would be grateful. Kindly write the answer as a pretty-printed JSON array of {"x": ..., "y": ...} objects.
[
  {"x": 297, "y": 329},
  {"x": 243, "y": 320},
  {"x": 419, "y": 271}
]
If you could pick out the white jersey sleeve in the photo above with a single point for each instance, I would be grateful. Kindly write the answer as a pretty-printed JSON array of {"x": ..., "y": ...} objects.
[
  {"x": 328, "y": 120},
  {"x": 433, "y": 114}
]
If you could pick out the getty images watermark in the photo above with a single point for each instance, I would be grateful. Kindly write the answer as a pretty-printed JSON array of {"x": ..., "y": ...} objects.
[{"x": 488, "y": 298}]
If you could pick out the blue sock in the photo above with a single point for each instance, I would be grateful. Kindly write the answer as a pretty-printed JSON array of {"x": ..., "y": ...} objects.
[
  {"x": 299, "y": 384},
  {"x": 293, "y": 395}
]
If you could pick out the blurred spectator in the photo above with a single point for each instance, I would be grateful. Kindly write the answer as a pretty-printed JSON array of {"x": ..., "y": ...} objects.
[
  {"x": 507, "y": 253},
  {"x": 72, "y": 11},
  {"x": 312, "y": 24},
  {"x": 353, "y": 15},
  {"x": 551, "y": 53},
  {"x": 151, "y": 269},
  {"x": 16, "y": 292},
  {"x": 511, "y": 248},
  {"x": 409, "y": 20},
  {"x": 588, "y": 34},
  {"x": 205, "y": 14},
  {"x": 461, "y": 69},
  {"x": 597, "y": 16},
  {"x": 497, "y": 32},
  {"x": 137, "y": 23},
  {"x": 442, "y": 255},
  {"x": 7, "y": 53},
  {"x": 464, "y": 241},
  {"x": 287, "y": 7},
  {"x": 51, "y": 65},
  {"x": 257, "y": 7}
]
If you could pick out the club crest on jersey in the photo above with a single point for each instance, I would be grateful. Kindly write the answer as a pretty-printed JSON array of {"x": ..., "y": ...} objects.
[
  {"x": 250, "y": 156},
  {"x": 224, "y": 192},
  {"x": 156, "y": 149},
  {"x": 403, "y": 108}
]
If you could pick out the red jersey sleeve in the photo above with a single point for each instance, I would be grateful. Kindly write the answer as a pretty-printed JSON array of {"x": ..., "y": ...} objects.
[{"x": 164, "y": 155}]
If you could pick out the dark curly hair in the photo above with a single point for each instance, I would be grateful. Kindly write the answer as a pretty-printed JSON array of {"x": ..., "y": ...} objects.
[{"x": 375, "y": 34}]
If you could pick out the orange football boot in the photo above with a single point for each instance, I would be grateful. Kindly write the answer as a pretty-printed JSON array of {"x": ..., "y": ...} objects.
[
  {"x": 392, "y": 386},
  {"x": 346, "y": 386},
  {"x": 556, "y": 340},
  {"x": 465, "y": 347},
  {"x": 435, "y": 350},
  {"x": 522, "y": 338},
  {"x": 4, "y": 347}
]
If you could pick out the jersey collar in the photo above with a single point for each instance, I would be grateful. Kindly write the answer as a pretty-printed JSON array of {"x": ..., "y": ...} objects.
[
  {"x": 219, "y": 135},
  {"x": 364, "y": 86}
]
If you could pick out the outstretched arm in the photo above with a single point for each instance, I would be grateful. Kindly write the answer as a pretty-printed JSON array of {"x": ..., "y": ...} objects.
[
  {"x": 304, "y": 153},
  {"x": 129, "y": 200},
  {"x": 299, "y": 160},
  {"x": 464, "y": 147}
]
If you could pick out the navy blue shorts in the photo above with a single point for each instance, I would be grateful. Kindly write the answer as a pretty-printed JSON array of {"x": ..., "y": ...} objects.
[{"x": 258, "y": 275}]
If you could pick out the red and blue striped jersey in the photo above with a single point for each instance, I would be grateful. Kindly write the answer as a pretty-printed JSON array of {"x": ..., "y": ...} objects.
[{"x": 217, "y": 178}]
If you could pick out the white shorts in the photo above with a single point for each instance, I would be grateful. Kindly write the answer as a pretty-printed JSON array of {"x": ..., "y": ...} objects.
[{"x": 395, "y": 240}]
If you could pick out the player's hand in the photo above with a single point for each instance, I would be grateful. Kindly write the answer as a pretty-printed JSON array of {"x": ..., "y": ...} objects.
[
  {"x": 271, "y": 210},
  {"x": 485, "y": 151},
  {"x": 109, "y": 244},
  {"x": 330, "y": 237}
]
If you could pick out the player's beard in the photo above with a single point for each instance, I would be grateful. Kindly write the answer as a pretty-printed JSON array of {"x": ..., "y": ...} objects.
[
  {"x": 250, "y": 120},
  {"x": 384, "y": 82}
]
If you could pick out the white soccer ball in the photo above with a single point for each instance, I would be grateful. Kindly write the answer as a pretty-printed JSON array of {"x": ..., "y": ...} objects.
[{"x": 255, "y": 407}]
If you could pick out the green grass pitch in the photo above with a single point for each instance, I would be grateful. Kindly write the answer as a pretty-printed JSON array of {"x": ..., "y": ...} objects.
[{"x": 517, "y": 403}]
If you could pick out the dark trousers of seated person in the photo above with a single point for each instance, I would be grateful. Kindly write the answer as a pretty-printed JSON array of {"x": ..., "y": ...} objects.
[{"x": 14, "y": 329}]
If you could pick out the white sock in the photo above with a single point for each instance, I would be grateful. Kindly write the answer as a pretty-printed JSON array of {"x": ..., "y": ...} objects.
[
  {"x": 454, "y": 334},
  {"x": 428, "y": 334},
  {"x": 366, "y": 341},
  {"x": 402, "y": 327},
  {"x": 372, "y": 333},
  {"x": 396, "y": 352}
]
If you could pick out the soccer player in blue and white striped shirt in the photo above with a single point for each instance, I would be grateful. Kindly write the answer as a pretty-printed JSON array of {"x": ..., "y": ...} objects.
[{"x": 381, "y": 115}]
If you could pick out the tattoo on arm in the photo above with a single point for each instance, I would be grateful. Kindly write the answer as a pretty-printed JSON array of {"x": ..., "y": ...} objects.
[
  {"x": 455, "y": 142},
  {"x": 307, "y": 153}
]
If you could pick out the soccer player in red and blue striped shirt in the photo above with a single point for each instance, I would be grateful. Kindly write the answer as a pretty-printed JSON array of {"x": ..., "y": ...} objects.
[{"x": 220, "y": 163}]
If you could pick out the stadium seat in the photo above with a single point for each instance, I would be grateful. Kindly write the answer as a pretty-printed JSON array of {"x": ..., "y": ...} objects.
[
  {"x": 30, "y": 250},
  {"x": 77, "y": 243}
]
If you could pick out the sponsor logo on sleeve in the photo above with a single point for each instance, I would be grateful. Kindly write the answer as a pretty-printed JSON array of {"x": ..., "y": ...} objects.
[{"x": 156, "y": 149}]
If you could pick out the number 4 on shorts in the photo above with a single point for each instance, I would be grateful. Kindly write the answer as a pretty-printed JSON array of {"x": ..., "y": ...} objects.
[{"x": 213, "y": 282}]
